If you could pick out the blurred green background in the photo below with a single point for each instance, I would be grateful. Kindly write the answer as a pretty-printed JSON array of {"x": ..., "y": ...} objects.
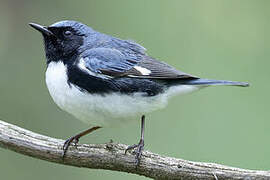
[{"x": 214, "y": 39}]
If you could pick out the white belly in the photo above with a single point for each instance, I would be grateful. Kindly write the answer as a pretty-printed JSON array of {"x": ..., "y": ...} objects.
[{"x": 102, "y": 110}]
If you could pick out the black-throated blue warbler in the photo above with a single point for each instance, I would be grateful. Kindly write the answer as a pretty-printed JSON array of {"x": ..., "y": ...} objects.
[{"x": 103, "y": 80}]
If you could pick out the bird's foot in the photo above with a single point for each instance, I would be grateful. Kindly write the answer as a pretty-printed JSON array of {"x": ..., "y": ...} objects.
[
  {"x": 75, "y": 139},
  {"x": 139, "y": 148},
  {"x": 67, "y": 143}
]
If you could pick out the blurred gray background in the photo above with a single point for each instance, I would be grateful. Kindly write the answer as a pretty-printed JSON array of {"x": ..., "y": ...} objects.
[{"x": 213, "y": 39}]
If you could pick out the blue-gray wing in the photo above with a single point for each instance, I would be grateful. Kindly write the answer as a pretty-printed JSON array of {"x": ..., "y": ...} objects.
[
  {"x": 109, "y": 61},
  {"x": 115, "y": 63}
]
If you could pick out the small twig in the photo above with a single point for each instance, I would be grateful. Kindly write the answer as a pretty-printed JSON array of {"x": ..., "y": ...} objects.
[{"x": 111, "y": 156}]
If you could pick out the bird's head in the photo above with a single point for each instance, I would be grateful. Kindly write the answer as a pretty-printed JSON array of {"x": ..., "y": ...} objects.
[{"x": 64, "y": 39}]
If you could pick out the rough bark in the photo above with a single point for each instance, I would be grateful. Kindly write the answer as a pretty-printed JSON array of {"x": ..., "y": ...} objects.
[{"x": 111, "y": 156}]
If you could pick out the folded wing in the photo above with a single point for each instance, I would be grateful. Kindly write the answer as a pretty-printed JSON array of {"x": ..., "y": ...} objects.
[{"x": 114, "y": 63}]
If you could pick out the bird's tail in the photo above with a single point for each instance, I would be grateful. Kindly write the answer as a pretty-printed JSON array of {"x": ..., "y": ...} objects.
[{"x": 208, "y": 82}]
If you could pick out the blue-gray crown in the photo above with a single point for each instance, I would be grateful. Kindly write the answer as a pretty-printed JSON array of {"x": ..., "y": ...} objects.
[{"x": 79, "y": 27}]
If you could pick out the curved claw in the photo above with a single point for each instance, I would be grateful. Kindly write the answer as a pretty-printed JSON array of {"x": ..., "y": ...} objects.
[
  {"x": 131, "y": 147},
  {"x": 139, "y": 148},
  {"x": 68, "y": 142},
  {"x": 75, "y": 139},
  {"x": 139, "y": 154}
]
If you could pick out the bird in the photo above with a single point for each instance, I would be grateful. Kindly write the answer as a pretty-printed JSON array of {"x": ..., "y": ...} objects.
[{"x": 107, "y": 81}]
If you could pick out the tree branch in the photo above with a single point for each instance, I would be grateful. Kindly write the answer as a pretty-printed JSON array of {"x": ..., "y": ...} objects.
[{"x": 111, "y": 156}]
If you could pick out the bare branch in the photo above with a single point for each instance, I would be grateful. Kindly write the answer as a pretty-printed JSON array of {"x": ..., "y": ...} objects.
[{"x": 111, "y": 156}]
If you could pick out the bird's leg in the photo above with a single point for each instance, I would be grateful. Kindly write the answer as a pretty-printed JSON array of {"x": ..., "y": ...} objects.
[
  {"x": 75, "y": 139},
  {"x": 140, "y": 146}
]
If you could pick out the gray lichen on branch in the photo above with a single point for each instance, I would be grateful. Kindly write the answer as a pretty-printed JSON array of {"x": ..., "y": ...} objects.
[{"x": 111, "y": 156}]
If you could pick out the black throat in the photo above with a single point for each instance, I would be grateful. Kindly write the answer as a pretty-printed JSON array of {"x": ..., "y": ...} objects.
[{"x": 56, "y": 49}]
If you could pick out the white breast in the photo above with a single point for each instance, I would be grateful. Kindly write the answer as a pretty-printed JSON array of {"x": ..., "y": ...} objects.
[{"x": 102, "y": 110}]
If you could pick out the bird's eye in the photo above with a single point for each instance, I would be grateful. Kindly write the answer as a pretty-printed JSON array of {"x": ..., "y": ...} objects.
[{"x": 67, "y": 33}]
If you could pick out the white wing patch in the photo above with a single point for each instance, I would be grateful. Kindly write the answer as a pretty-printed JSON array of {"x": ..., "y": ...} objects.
[
  {"x": 103, "y": 110},
  {"x": 82, "y": 66},
  {"x": 143, "y": 70}
]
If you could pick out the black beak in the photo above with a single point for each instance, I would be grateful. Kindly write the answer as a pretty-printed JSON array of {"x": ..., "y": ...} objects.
[{"x": 42, "y": 29}]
